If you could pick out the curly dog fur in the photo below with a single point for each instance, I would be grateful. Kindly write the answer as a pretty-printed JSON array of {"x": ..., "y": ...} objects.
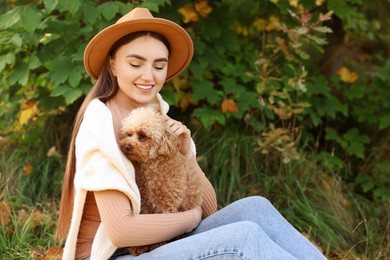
[{"x": 166, "y": 181}]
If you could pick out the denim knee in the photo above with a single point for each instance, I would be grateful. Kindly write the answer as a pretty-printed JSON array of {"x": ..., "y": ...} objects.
[
  {"x": 251, "y": 207},
  {"x": 239, "y": 244},
  {"x": 256, "y": 201},
  {"x": 251, "y": 242}
]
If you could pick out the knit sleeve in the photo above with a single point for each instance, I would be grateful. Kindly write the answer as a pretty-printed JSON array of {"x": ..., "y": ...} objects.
[
  {"x": 126, "y": 229},
  {"x": 209, "y": 205}
]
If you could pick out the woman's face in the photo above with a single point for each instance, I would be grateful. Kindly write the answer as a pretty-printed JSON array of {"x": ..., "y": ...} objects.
[{"x": 140, "y": 67}]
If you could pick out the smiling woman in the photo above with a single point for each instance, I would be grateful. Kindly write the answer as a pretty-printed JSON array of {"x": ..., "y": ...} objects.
[
  {"x": 100, "y": 203},
  {"x": 140, "y": 67}
]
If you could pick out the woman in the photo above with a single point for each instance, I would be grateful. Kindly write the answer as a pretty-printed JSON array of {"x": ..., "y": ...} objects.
[{"x": 100, "y": 203}]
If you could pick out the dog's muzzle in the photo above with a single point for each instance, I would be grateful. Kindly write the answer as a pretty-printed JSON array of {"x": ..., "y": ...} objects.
[{"x": 128, "y": 148}]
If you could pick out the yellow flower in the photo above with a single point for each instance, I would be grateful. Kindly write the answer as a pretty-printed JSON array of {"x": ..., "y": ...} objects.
[
  {"x": 189, "y": 14},
  {"x": 186, "y": 99},
  {"x": 203, "y": 8},
  {"x": 273, "y": 20},
  {"x": 301, "y": 9},
  {"x": 238, "y": 28},
  {"x": 293, "y": 3},
  {"x": 347, "y": 76},
  {"x": 28, "y": 113},
  {"x": 259, "y": 24},
  {"x": 319, "y": 2}
]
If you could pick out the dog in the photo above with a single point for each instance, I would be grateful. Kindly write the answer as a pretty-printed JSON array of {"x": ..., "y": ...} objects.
[{"x": 167, "y": 183}]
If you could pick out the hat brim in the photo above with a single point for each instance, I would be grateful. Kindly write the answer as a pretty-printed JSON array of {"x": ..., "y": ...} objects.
[{"x": 180, "y": 43}]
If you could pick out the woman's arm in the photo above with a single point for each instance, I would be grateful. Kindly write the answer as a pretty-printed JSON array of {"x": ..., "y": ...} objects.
[
  {"x": 209, "y": 205},
  {"x": 126, "y": 229}
]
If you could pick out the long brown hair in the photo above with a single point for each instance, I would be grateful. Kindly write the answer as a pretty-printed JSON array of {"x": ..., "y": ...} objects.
[{"x": 105, "y": 88}]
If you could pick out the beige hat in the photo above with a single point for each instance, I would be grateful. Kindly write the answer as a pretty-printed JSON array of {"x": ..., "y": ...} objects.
[{"x": 140, "y": 19}]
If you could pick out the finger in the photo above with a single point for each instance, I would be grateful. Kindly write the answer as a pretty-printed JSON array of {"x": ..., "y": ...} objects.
[{"x": 183, "y": 130}]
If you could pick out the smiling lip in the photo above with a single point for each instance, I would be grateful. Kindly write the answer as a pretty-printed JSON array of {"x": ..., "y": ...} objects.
[{"x": 144, "y": 87}]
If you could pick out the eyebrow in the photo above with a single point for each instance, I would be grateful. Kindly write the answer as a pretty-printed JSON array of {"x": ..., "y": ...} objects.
[{"x": 144, "y": 59}]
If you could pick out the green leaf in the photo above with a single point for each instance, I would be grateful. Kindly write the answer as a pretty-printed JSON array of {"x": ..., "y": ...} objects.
[
  {"x": 31, "y": 18},
  {"x": 246, "y": 101},
  {"x": 202, "y": 89},
  {"x": 331, "y": 106},
  {"x": 366, "y": 182},
  {"x": 154, "y": 7},
  {"x": 75, "y": 76},
  {"x": 315, "y": 119},
  {"x": 59, "y": 91},
  {"x": 230, "y": 86},
  {"x": 17, "y": 40},
  {"x": 10, "y": 18},
  {"x": 8, "y": 58},
  {"x": 213, "y": 58},
  {"x": 20, "y": 74},
  {"x": 210, "y": 30},
  {"x": 50, "y": 5},
  {"x": 318, "y": 85},
  {"x": 90, "y": 14},
  {"x": 59, "y": 69},
  {"x": 70, "y": 5},
  {"x": 72, "y": 96},
  {"x": 209, "y": 116},
  {"x": 230, "y": 40},
  {"x": 357, "y": 149},
  {"x": 302, "y": 30},
  {"x": 34, "y": 62},
  {"x": 322, "y": 29},
  {"x": 229, "y": 69},
  {"x": 108, "y": 10},
  {"x": 196, "y": 69},
  {"x": 384, "y": 122},
  {"x": 330, "y": 160},
  {"x": 341, "y": 8},
  {"x": 353, "y": 135},
  {"x": 331, "y": 134},
  {"x": 317, "y": 39},
  {"x": 302, "y": 54}
]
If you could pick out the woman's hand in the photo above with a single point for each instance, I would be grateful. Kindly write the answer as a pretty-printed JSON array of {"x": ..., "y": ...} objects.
[
  {"x": 198, "y": 217},
  {"x": 184, "y": 133}
]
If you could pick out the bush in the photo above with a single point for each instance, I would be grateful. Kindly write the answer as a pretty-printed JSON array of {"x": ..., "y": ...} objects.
[{"x": 271, "y": 82}]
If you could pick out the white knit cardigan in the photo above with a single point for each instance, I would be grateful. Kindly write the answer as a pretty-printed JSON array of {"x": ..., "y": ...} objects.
[{"x": 100, "y": 165}]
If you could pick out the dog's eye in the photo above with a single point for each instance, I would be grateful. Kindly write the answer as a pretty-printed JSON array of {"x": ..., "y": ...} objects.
[
  {"x": 141, "y": 136},
  {"x": 129, "y": 134}
]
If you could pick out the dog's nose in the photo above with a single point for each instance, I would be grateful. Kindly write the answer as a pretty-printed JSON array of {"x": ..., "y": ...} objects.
[{"x": 128, "y": 148}]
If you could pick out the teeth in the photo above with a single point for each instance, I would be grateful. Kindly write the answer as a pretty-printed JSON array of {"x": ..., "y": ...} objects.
[{"x": 144, "y": 87}]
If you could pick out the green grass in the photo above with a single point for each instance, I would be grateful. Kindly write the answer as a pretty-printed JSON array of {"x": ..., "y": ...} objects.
[
  {"x": 28, "y": 234},
  {"x": 318, "y": 202},
  {"x": 315, "y": 200}
]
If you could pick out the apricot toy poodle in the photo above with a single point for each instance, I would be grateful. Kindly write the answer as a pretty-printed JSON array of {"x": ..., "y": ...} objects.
[{"x": 166, "y": 181}]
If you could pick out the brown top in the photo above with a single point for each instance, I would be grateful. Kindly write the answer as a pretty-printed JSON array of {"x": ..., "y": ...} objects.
[{"x": 113, "y": 208}]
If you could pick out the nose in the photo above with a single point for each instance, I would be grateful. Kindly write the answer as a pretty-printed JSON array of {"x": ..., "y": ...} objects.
[
  {"x": 128, "y": 148},
  {"x": 147, "y": 74}
]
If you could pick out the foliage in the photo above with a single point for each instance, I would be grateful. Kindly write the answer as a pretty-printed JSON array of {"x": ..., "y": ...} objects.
[
  {"x": 315, "y": 200},
  {"x": 270, "y": 77},
  {"x": 27, "y": 233}
]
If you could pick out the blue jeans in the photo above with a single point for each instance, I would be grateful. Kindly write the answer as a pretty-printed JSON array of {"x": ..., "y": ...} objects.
[{"x": 249, "y": 228}]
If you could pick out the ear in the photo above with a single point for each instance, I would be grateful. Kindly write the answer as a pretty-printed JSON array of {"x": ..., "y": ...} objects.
[
  {"x": 112, "y": 66},
  {"x": 170, "y": 143}
]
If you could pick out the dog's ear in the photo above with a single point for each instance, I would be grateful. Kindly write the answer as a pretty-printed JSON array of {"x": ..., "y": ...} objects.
[{"x": 170, "y": 143}]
